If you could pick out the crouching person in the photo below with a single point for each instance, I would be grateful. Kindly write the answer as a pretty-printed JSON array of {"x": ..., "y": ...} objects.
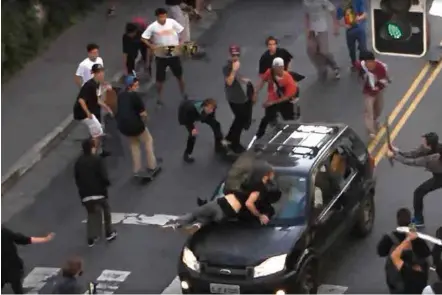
[
  {"x": 92, "y": 182},
  {"x": 192, "y": 111}
]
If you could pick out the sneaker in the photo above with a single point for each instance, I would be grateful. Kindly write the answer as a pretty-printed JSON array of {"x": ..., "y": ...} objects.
[
  {"x": 418, "y": 222},
  {"x": 91, "y": 242},
  {"x": 209, "y": 7},
  {"x": 173, "y": 224},
  {"x": 193, "y": 228},
  {"x": 188, "y": 158},
  {"x": 110, "y": 237},
  {"x": 225, "y": 142},
  {"x": 200, "y": 202},
  {"x": 337, "y": 74}
]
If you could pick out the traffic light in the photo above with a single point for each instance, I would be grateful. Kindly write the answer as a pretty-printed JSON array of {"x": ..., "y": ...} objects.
[{"x": 399, "y": 27}]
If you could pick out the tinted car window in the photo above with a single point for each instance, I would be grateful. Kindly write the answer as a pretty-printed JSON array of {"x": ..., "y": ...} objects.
[
  {"x": 357, "y": 146},
  {"x": 291, "y": 208}
]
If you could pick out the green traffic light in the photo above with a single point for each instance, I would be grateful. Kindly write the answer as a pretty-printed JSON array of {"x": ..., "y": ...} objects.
[{"x": 394, "y": 31}]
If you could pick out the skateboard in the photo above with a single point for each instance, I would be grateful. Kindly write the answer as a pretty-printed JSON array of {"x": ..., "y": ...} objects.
[
  {"x": 187, "y": 50},
  {"x": 150, "y": 176}
]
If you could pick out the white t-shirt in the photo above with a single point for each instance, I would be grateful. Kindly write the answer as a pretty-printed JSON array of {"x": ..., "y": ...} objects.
[
  {"x": 164, "y": 35},
  {"x": 318, "y": 12},
  {"x": 85, "y": 67}
]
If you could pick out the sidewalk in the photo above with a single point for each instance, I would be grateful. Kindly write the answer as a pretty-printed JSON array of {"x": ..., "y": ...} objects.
[{"x": 37, "y": 103}]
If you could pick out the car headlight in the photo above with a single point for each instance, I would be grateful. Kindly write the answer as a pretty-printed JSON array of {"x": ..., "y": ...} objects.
[
  {"x": 190, "y": 260},
  {"x": 270, "y": 266}
]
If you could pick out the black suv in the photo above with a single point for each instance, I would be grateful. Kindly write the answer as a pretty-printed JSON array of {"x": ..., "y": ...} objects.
[{"x": 325, "y": 174}]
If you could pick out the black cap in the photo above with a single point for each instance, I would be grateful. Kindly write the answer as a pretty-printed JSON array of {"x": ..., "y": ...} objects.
[{"x": 97, "y": 68}]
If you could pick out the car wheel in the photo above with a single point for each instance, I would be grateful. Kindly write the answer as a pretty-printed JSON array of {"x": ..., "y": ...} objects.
[
  {"x": 308, "y": 279},
  {"x": 365, "y": 218}
]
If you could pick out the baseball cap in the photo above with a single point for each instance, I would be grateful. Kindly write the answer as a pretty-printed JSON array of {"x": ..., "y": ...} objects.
[
  {"x": 130, "y": 80},
  {"x": 97, "y": 68},
  {"x": 234, "y": 50},
  {"x": 278, "y": 62}
]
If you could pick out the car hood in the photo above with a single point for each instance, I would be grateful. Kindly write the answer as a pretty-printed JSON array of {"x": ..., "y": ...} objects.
[{"x": 242, "y": 245}]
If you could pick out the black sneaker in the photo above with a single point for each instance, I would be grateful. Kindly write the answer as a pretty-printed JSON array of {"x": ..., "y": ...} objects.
[
  {"x": 200, "y": 202},
  {"x": 91, "y": 242},
  {"x": 188, "y": 158},
  {"x": 111, "y": 11},
  {"x": 112, "y": 236}
]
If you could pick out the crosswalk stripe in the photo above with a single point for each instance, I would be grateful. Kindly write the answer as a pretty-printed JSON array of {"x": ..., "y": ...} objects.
[{"x": 107, "y": 283}]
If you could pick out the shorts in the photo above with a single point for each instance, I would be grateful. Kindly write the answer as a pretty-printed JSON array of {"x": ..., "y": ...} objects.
[
  {"x": 162, "y": 63},
  {"x": 94, "y": 126}
]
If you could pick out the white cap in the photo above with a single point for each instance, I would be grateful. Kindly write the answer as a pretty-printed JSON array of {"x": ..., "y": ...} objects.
[{"x": 278, "y": 62}]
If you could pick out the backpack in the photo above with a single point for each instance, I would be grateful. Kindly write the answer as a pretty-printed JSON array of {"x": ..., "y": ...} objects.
[
  {"x": 394, "y": 278},
  {"x": 240, "y": 173}
]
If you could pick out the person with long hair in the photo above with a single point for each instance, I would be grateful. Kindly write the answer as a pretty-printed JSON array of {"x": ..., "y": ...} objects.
[{"x": 429, "y": 156}]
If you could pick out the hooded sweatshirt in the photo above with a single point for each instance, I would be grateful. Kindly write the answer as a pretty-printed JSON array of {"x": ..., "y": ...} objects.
[{"x": 422, "y": 157}]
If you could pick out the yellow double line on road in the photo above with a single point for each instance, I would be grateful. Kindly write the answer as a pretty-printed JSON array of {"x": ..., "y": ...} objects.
[{"x": 395, "y": 128}]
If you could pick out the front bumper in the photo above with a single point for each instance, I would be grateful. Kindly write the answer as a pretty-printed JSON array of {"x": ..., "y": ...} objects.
[{"x": 199, "y": 283}]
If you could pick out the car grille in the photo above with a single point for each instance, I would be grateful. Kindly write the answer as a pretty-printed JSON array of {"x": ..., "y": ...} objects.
[{"x": 236, "y": 272}]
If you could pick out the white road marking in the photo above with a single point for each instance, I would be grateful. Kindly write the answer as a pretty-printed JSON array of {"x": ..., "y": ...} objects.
[
  {"x": 175, "y": 288},
  {"x": 107, "y": 283},
  {"x": 110, "y": 280},
  {"x": 436, "y": 8},
  {"x": 140, "y": 219},
  {"x": 38, "y": 278}
]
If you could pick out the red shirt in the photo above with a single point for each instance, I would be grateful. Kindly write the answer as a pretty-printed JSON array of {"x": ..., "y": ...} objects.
[
  {"x": 286, "y": 83},
  {"x": 376, "y": 78}
]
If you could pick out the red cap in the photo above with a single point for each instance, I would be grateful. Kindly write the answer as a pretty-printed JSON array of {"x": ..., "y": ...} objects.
[{"x": 234, "y": 50}]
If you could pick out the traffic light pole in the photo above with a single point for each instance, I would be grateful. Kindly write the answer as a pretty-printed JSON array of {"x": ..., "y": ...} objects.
[{"x": 434, "y": 18}]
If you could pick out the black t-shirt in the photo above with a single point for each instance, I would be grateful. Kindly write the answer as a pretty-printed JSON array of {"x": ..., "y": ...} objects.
[
  {"x": 88, "y": 92},
  {"x": 414, "y": 281},
  {"x": 10, "y": 259},
  {"x": 130, "y": 106},
  {"x": 173, "y": 2},
  {"x": 266, "y": 60},
  {"x": 131, "y": 45}
]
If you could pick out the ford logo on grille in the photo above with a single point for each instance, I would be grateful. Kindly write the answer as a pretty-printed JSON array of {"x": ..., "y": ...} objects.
[{"x": 225, "y": 271}]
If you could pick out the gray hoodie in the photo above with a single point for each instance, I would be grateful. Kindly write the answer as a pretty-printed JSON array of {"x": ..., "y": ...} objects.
[{"x": 421, "y": 157}]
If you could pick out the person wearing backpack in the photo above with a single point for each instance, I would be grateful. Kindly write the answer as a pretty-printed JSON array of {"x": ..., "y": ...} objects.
[
  {"x": 281, "y": 91},
  {"x": 388, "y": 244}
]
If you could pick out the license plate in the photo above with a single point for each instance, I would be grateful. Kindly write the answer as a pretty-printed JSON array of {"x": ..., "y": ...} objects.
[{"x": 224, "y": 289}]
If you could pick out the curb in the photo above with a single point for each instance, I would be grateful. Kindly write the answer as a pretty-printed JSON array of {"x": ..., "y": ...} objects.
[{"x": 51, "y": 140}]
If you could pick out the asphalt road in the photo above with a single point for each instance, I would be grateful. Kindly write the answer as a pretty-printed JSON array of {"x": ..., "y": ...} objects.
[{"x": 147, "y": 254}]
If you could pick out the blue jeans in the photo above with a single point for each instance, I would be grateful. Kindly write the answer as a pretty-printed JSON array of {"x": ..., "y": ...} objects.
[{"x": 356, "y": 35}]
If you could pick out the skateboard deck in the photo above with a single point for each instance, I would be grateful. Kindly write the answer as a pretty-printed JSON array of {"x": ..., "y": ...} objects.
[
  {"x": 150, "y": 176},
  {"x": 188, "y": 49}
]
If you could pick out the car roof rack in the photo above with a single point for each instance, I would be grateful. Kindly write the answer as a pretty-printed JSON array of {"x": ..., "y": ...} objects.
[{"x": 297, "y": 139}]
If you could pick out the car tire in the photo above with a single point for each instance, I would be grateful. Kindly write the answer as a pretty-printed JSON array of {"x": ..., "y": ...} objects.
[
  {"x": 365, "y": 218},
  {"x": 308, "y": 279}
]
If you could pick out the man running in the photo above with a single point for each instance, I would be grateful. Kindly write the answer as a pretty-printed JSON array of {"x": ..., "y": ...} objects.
[
  {"x": 237, "y": 98},
  {"x": 316, "y": 22},
  {"x": 281, "y": 90},
  {"x": 191, "y": 111},
  {"x": 429, "y": 156},
  {"x": 354, "y": 15},
  {"x": 375, "y": 78},
  {"x": 162, "y": 33},
  {"x": 273, "y": 51}
]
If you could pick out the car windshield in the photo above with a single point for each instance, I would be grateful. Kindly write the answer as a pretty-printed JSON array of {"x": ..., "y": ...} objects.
[{"x": 290, "y": 210}]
